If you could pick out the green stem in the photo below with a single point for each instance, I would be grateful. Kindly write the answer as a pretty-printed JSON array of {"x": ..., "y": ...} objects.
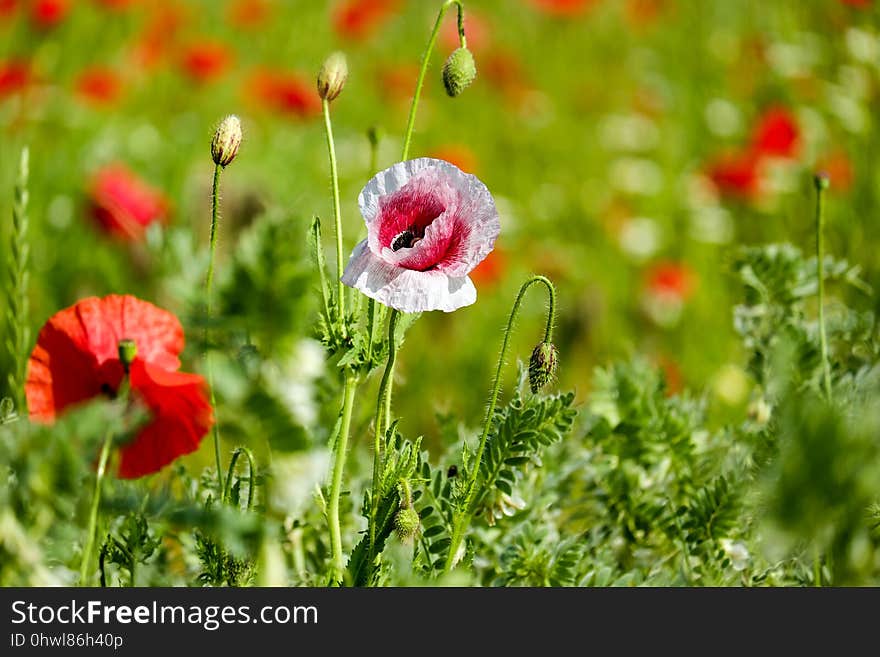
[
  {"x": 93, "y": 513},
  {"x": 817, "y": 568},
  {"x": 322, "y": 272},
  {"x": 381, "y": 425},
  {"x": 821, "y": 183},
  {"x": 336, "y": 485},
  {"x": 251, "y": 475},
  {"x": 337, "y": 215},
  {"x": 464, "y": 514},
  {"x": 426, "y": 57},
  {"x": 209, "y": 282}
]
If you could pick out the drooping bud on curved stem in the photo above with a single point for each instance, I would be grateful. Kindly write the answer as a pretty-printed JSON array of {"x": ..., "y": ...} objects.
[
  {"x": 542, "y": 365},
  {"x": 459, "y": 71},
  {"x": 464, "y": 512},
  {"x": 407, "y": 138},
  {"x": 226, "y": 141},
  {"x": 332, "y": 76}
]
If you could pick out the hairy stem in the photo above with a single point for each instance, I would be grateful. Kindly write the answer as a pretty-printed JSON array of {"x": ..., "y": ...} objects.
[
  {"x": 321, "y": 266},
  {"x": 821, "y": 183},
  {"x": 209, "y": 282},
  {"x": 336, "y": 484},
  {"x": 381, "y": 425},
  {"x": 17, "y": 289},
  {"x": 426, "y": 58},
  {"x": 463, "y": 515},
  {"x": 337, "y": 216}
]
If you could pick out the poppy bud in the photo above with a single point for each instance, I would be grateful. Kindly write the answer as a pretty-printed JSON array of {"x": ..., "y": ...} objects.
[
  {"x": 127, "y": 352},
  {"x": 542, "y": 365},
  {"x": 406, "y": 524},
  {"x": 227, "y": 139},
  {"x": 459, "y": 71},
  {"x": 821, "y": 180},
  {"x": 332, "y": 76}
]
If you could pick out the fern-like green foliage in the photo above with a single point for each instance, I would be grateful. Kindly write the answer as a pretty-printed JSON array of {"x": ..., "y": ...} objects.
[
  {"x": 539, "y": 558},
  {"x": 520, "y": 431},
  {"x": 18, "y": 328},
  {"x": 128, "y": 546},
  {"x": 402, "y": 462}
]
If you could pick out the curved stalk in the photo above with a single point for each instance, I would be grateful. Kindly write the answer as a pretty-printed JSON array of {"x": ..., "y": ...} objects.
[
  {"x": 464, "y": 513},
  {"x": 336, "y": 484}
]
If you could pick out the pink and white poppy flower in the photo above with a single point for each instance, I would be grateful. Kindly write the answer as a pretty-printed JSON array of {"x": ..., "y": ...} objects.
[{"x": 428, "y": 225}]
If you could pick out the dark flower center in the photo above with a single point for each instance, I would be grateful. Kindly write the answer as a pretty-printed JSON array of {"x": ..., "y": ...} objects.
[
  {"x": 108, "y": 391},
  {"x": 407, "y": 238}
]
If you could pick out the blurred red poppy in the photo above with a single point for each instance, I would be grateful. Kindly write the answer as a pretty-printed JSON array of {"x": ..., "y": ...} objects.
[
  {"x": 491, "y": 271},
  {"x": 15, "y": 75},
  {"x": 736, "y": 174},
  {"x": 563, "y": 7},
  {"x": 99, "y": 86},
  {"x": 48, "y": 13},
  {"x": 860, "y": 4},
  {"x": 360, "y": 19},
  {"x": 776, "y": 134},
  {"x": 504, "y": 72},
  {"x": 204, "y": 61},
  {"x": 397, "y": 83},
  {"x": 839, "y": 169},
  {"x": 158, "y": 37},
  {"x": 670, "y": 280},
  {"x": 76, "y": 359},
  {"x": 458, "y": 154},
  {"x": 123, "y": 204},
  {"x": 286, "y": 93},
  {"x": 641, "y": 13},
  {"x": 249, "y": 13},
  {"x": 8, "y": 7}
]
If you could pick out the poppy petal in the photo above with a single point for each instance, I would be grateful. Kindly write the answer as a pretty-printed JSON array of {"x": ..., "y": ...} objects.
[
  {"x": 181, "y": 413},
  {"x": 407, "y": 290}
]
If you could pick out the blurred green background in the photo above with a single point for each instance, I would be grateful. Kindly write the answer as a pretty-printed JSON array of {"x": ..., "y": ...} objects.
[{"x": 627, "y": 143}]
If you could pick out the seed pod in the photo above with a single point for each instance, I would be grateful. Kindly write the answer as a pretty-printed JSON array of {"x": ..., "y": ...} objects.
[
  {"x": 227, "y": 139},
  {"x": 542, "y": 365},
  {"x": 332, "y": 76},
  {"x": 459, "y": 71}
]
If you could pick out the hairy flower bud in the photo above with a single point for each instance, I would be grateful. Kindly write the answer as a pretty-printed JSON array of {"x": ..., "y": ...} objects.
[
  {"x": 127, "y": 352},
  {"x": 459, "y": 71},
  {"x": 332, "y": 76},
  {"x": 227, "y": 139},
  {"x": 542, "y": 365},
  {"x": 406, "y": 524}
]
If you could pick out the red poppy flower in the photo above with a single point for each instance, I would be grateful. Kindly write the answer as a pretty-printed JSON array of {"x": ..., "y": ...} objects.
[
  {"x": 491, "y": 271},
  {"x": 206, "y": 60},
  {"x": 286, "y": 93},
  {"x": 359, "y": 19},
  {"x": 459, "y": 155},
  {"x": 563, "y": 7},
  {"x": 642, "y": 13},
  {"x": 249, "y": 13},
  {"x": 670, "y": 280},
  {"x": 123, "y": 204},
  {"x": 776, "y": 134},
  {"x": 505, "y": 73},
  {"x": 8, "y": 7},
  {"x": 158, "y": 38},
  {"x": 48, "y": 13},
  {"x": 839, "y": 169},
  {"x": 99, "y": 86},
  {"x": 76, "y": 359},
  {"x": 14, "y": 76},
  {"x": 736, "y": 174},
  {"x": 397, "y": 82},
  {"x": 858, "y": 4}
]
